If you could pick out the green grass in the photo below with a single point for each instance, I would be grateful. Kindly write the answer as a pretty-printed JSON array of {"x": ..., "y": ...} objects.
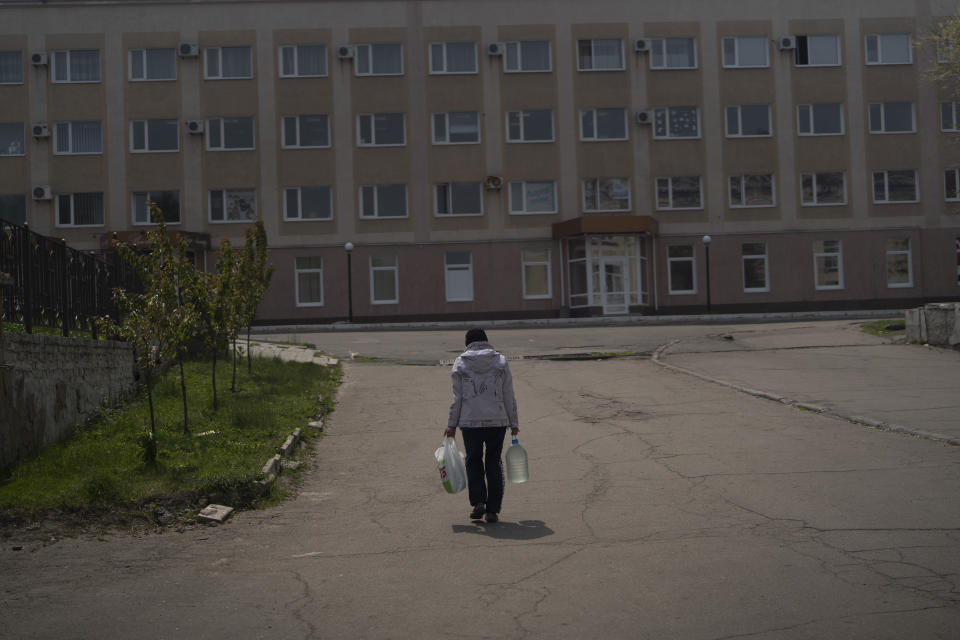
[
  {"x": 19, "y": 327},
  {"x": 884, "y": 328},
  {"x": 100, "y": 465}
]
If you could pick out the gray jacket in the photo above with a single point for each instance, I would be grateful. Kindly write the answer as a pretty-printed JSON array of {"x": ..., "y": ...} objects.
[{"x": 482, "y": 389}]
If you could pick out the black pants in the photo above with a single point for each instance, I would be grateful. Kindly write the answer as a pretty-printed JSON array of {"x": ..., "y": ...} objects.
[{"x": 487, "y": 465}]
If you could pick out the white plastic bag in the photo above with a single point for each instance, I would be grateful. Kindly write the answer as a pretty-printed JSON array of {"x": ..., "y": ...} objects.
[{"x": 453, "y": 470}]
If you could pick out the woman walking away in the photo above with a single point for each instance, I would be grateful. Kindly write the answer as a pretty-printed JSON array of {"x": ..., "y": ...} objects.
[{"x": 483, "y": 407}]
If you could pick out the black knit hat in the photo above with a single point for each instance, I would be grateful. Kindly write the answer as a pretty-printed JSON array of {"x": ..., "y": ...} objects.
[{"x": 476, "y": 335}]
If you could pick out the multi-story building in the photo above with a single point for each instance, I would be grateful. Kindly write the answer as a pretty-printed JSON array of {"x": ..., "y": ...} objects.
[{"x": 490, "y": 159}]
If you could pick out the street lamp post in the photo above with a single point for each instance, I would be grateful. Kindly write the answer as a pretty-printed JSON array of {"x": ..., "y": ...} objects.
[
  {"x": 706, "y": 247},
  {"x": 348, "y": 247}
]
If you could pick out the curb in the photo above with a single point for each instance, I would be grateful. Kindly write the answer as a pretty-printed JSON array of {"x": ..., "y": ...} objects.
[{"x": 881, "y": 425}]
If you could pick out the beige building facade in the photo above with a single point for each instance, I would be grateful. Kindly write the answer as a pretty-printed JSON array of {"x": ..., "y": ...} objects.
[{"x": 499, "y": 159}]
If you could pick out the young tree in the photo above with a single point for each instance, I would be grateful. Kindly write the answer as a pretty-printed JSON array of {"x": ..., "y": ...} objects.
[
  {"x": 943, "y": 39},
  {"x": 254, "y": 274}
]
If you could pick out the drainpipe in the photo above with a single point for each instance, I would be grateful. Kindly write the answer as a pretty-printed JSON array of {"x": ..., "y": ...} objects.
[{"x": 653, "y": 262}]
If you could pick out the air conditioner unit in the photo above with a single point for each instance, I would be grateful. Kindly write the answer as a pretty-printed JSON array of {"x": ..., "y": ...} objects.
[
  {"x": 40, "y": 130},
  {"x": 493, "y": 183},
  {"x": 42, "y": 192},
  {"x": 496, "y": 49},
  {"x": 188, "y": 50},
  {"x": 195, "y": 126},
  {"x": 38, "y": 58},
  {"x": 346, "y": 51},
  {"x": 787, "y": 43},
  {"x": 644, "y": 117},
  {"x": 641, "y": 45}
]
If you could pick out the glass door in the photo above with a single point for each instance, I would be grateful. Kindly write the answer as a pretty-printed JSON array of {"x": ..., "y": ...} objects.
[{"x": 615, "y": 283}]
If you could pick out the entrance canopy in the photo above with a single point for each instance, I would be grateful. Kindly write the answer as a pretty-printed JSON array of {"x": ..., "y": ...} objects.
[{"x": 604, "y": 224}]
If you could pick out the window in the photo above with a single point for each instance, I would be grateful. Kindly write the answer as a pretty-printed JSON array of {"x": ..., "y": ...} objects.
[
  {"x": 303, "y": 61},
  {"x": 534, "y": 125},
  {"x": 12, "y": 141},
  {"x": 537, "y": 283},
  {"x": 13, "y": 208},
  {"x": 308, "y": 281},
  {"x": 76, "y": 65},
  {"x": 748, "y": 121},
  {"x": 600, "y": 55},
  {"x": 77, "y": 138},
  {"x": 891, "y": 117},
  {"x": 380, "y": 130},
  {"x": 154, "y": 136},
  {"x": 378, "y": 60},
  {"x": 233, "y": 205},
  {"x": 676, "y": 122},
  {"x": 823, "y": 188},
  {"x": 742, "y": 52},
  {"x": 752, "y": 190},
  {"x": 225, "y": 63},
  {"x": 307, "y": 203},
  {"x": 230, "y": 134},
  {"x": 527, "y": 56},
  {"x": 681, "y": 269},
  {"x": 167, "y": 201},
  {"x": 603, "y": 124},
  {"x": 453, "y": 57},
  {"x": 306, "y": 132},
  {"x": 756, "y": 273},
  {"x": 827, "y": 264},
  {"x": 679, "y": 192},
  {"x": 153, "y": 64},
  {"x": 458, "y": 199},
  {"x": 80, "y": 210},
  {"x": 533, "y": 196},
  {"x": 383, "y": 201},
  {"x": 817, "y": 51},
  {"x": 456, "y": 127},
  {"x": 951, "y": 185},
  {"x": 673, "y": 53},
  {"x": 949, "y": 120},
  {"x": 899, "y": 263},
  {"x": 458, "y": 272},
  {"x": 11, "y": 67},
  {"x": 889, "y": 48},
  {"x": 824, "y": 119},
  {"x": 384, "y": 287},
  {"x": 895, "y": 186},
  {"x": 606, "y": 194},
  {"x": 956, "y": 245}
]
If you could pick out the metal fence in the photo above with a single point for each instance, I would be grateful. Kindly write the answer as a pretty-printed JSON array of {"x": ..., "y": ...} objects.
[{"x": 52, "y": 285}]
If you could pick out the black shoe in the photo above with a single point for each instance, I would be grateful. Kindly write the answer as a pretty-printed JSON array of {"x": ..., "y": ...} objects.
[
  {"x": 478, "y": 510},
  {"x": 492, "y": 517}
]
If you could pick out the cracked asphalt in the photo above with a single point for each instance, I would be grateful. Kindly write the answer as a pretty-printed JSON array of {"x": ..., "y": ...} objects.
[{"x": 661, "y": 505}]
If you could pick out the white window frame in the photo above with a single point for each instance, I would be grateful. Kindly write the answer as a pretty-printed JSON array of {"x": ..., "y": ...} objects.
[
  {"x": 671, "y": 207},
  {"x": 883, "y": 118},
  {"x": 593, "y": 116},
  {"x": 667, "y": 111},
  {"x": 146, "y": 136},
  {"x": 743, "y": 191},
  {"x": 71, "y": 152},
  {"x": 299, "y": 217},
  {"x": 53, "y": 67},
  {"x": 519, "y": 56},
  {"x": 744, "y": 258},
  {"x": 376, "y": 206},
  {"x": 370, "y": 48},
  {"x": 736, "y": 52},
  {"x": 899, "y": 252},
  {"x": 879, "y": 38},
  {"x": 443, "y": 61},
  {"x": 886, "y": 187},
  {"x": 224, "y": 193},
  {"x": 810, "y": 107},
  {"x": 546, "y": 262},
  {"x": 522, "y": 139},
  {"x": 692, "y": 259},
  {"x": 839, "y": 50},
  {"x": 223, "y": 139},
  {"x": 299, "y": 145},
  {"x": 814, "y": 203},
  {"x": 662, "y": 42},
  {"x": 23, "y": 141},
  {"x": 296, "y": 61},
  {"x": 597, "y": 181},
  {"x": 818, "y": 255},
  {"x": 395, "y": 268},
  {"x": 449, "y": 199},
  {"x": 523, "y": 211},
  {"x": 622, "y": 66},
  {"x": 207, "y": 51},
  {"x": 740, "y": 134},
  {"x": 373, "y": 129},
  {"x": 133, "y": 208},
  {"x": 72, "y": 196},
  {"x": 954, "y": 113},
  {"x": 143, "y": 52},
  {"x": 956, "y": 185},
  {"x": 19, "y": 55},
  {"x": 297, "y": 272},
  {"x": 446, "y": 125},
  {"x": 455, "y": 267}
]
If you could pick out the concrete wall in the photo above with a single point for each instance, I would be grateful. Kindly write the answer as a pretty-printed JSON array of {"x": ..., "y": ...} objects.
[{"x": 50, "y": 385}]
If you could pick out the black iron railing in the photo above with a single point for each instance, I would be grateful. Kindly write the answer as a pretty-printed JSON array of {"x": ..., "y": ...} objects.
[{"x": 56, "y": 286}]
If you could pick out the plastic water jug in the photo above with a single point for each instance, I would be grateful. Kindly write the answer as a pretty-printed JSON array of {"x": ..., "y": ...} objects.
[{"x": 517, "y": 463}]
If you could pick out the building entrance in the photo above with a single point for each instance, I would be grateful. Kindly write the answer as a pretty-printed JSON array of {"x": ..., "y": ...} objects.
[{"x": 607, "y": 271}]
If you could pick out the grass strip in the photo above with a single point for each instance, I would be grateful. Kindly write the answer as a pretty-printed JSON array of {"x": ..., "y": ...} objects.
[{"x": 884, "y": 328}]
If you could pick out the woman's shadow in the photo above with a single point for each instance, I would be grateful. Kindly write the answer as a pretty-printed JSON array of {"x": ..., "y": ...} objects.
[{"x": 523, "y": 530}]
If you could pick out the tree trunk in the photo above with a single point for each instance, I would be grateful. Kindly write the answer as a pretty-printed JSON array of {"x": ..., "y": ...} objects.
[
  {"x": 183, "y": 394},
  {"x": 215, "y": 380},
  {"x": 153, "y": 425},
  {"x": 248, "y": 350},
  {"x": 233, "y": 383}
]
